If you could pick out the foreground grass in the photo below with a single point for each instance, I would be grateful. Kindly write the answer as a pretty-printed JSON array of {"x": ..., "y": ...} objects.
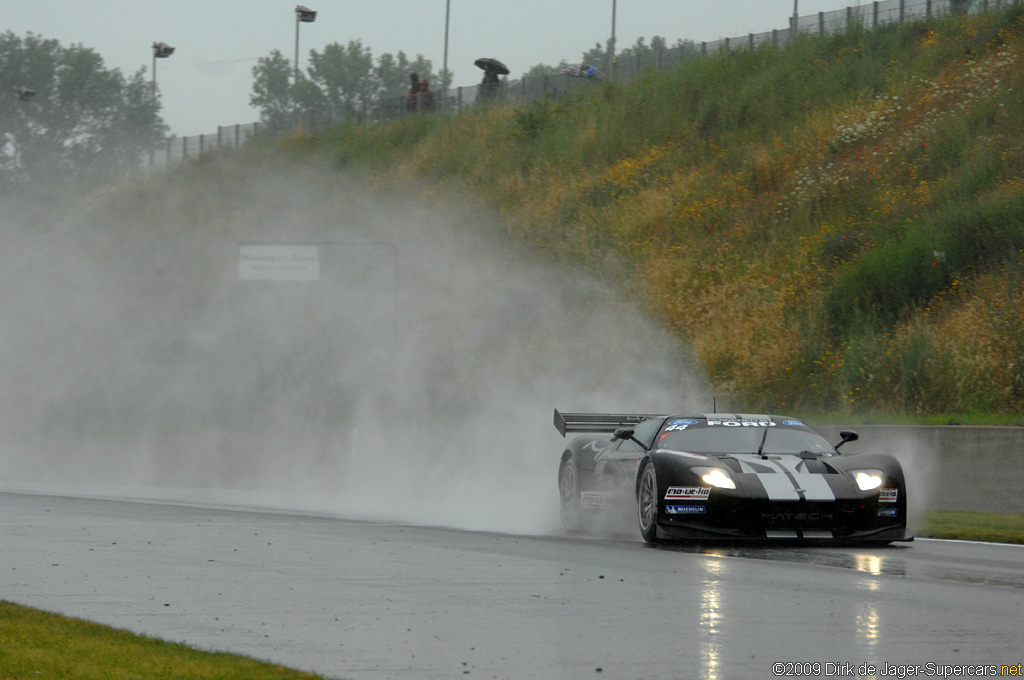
[
  {"x": 974, "y": 526},
  {"x": 35, "y": 644}
]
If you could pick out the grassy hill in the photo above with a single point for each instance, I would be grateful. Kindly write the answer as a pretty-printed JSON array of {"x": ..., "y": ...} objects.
[
  {"x": 831, "y": 228},
  {"x": 837, "y": 225}
]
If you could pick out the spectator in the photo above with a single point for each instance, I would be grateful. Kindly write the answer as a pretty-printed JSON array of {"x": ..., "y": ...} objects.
[
  {"x": 490, "y": 84},
  {"x": 414, "y": 91},
  {"x": 426, "y": 97}
]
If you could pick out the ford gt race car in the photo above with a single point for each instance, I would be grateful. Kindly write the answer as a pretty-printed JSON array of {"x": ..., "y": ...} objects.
[{"x": 727, "y": 476}]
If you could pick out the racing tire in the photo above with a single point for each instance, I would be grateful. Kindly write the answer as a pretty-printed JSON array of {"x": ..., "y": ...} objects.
[
  {"x": 569, "y": 495},
  {"x": 647, "y": 503}
]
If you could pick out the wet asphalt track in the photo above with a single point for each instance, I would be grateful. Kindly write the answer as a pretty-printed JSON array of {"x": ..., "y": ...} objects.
[{"x": 371, "y": 601}]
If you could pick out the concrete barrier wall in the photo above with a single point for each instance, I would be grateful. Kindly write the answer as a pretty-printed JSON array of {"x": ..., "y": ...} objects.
[
  {"x": 950, "y": 467},
  {"x": 947, "y": 468}
]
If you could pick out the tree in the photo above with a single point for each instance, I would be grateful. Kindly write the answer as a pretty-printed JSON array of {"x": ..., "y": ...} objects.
[
  {"x": 640, "y": 53},
  {"x": 393, "y": 78},
  {"x": 82, "y": 119},
  {"x": 599, "y": 56},
  {"x": 345, "y": 76},
  {"x": 341, "y": 82},
  {"x": 541, "y": 70},
  {"x": 272, "y": 91},
  {"x": 356, "y": 87}
]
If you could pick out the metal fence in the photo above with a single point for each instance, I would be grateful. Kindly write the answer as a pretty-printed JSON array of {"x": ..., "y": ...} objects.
[
  {"x": 862, "y": 17},
  {"x": 178, "y": 148}
]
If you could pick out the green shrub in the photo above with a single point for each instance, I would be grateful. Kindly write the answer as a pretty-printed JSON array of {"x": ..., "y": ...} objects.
[{"x": 887, "y": 281}]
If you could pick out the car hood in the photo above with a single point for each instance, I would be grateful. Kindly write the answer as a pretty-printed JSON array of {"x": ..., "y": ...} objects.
[{"x": 786, "y": 477}]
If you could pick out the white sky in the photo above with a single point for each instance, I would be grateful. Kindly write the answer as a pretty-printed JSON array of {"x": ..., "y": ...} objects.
[{"x": 208, "y": 80}]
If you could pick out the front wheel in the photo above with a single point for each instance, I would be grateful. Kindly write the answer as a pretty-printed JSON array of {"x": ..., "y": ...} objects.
[{"x": 647, "y": 503}]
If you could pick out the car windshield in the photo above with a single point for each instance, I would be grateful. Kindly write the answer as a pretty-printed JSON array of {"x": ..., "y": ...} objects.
[{"x": 712, "y": 440}]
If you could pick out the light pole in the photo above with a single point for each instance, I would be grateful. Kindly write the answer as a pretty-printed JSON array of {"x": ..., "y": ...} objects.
[
  {"x": 796, "y": 15},
  {"x": 611, "y": 46},
  {"x": 444, "y": 67},
  {"x": 160, "y": 51},
  {"x": 304, "y": 15}
]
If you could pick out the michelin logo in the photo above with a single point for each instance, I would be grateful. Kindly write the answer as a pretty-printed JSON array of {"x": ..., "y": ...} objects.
[{"x": 685, "y": 510}]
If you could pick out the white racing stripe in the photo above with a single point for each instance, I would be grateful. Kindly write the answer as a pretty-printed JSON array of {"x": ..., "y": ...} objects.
[
  {"x": 780, "y": 534},
  {"x": 778, "y": 486},
  {"x": 817, "y": 534},
  {"x": 815, "y": 485},
  {"x": 789, "y": 480}
]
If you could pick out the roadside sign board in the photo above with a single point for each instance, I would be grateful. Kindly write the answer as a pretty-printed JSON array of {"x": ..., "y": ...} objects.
[{"x": 278, "y": 262}]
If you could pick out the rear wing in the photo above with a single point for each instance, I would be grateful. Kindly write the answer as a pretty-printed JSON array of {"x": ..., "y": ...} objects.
[{"x": 597, "y": 422}]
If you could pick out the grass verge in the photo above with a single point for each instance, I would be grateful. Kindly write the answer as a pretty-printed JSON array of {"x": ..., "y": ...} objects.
[
  {"x": 974, "y": 526},
  {"x": 35, "y": 644}
]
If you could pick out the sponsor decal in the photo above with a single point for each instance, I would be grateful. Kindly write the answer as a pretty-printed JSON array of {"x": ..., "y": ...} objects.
[
  {"x": 888, "y": 512},
  {"x": 888, "y": 495},
  {"x": 797, "y": 516},
  {"x": 600, "y": 450},
  {"x": 677, "y": 425},
  {"x": 590, "y": 499},
  {"x": 688, "y": 493},
  {"x": 741, "y": 423},
  {"x": 793, "y": 423},
  {"x": 685, "y": 510}
]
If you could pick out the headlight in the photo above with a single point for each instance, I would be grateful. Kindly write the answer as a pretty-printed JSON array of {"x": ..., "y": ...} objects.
[
  {"x": 867, "y": 479},
  {"x": 716, "y": 477}
]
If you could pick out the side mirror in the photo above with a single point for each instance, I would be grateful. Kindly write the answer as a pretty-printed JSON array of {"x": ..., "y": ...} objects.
[
  {"x": 846, "y": 436},
  {"x": 627, "y": 433}
]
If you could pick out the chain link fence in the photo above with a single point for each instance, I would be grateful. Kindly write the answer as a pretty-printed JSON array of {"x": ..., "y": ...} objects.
[{"x": 861, "y": 17}]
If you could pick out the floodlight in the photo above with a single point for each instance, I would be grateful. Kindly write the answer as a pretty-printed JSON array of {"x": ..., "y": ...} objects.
[{"x": 162, "y": 50}]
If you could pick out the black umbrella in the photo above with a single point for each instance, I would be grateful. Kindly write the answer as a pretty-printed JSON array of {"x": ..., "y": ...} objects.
[{"x": 489, "y": 64}]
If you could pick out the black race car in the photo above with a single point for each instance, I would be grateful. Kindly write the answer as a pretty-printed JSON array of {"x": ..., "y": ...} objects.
[{"x": 727, "y": 476}]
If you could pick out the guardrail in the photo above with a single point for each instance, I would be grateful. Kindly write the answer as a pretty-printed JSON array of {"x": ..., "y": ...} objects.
[{"x": 861, "y": 17}]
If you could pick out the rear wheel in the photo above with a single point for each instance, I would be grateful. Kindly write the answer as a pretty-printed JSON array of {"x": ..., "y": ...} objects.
[
  {"x": 647, "y": 503},
  {"x": 569, "y": 494}
]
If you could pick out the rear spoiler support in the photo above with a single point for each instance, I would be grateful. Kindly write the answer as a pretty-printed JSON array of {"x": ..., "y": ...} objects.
[{"x": 597, "y": 422}]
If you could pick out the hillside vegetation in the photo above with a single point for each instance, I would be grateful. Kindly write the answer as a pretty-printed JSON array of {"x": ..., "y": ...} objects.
[{"x": 837, "y": 225}]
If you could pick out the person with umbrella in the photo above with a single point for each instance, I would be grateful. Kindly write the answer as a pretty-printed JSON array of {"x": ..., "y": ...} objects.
[{"x": 492, "y": 69}]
